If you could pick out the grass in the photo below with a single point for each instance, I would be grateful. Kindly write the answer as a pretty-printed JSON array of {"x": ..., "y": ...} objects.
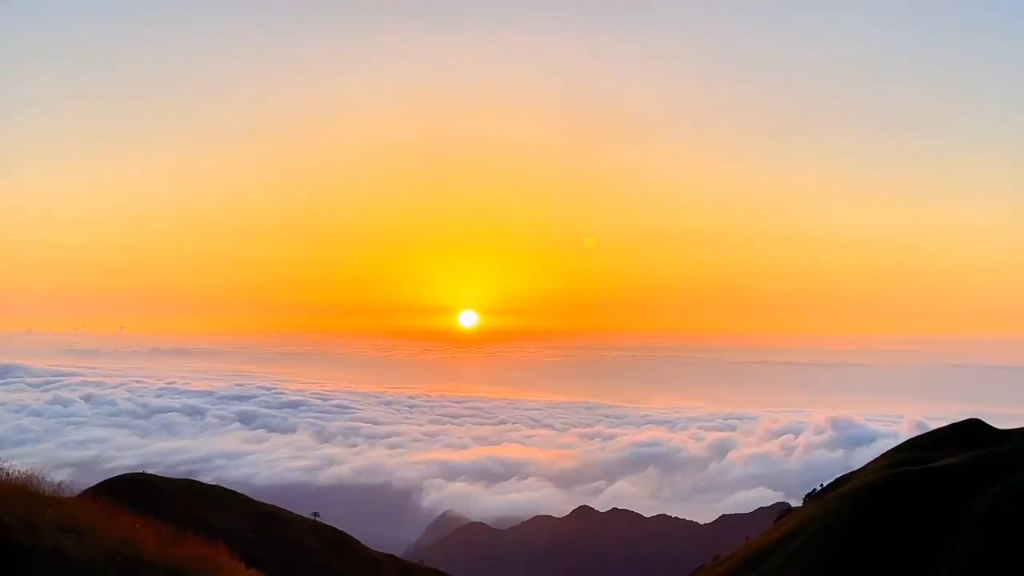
[
  {"x": 13, "y": 477},
  {"x": 46, "y": 529},
  {"x": 271, "y": 539}
]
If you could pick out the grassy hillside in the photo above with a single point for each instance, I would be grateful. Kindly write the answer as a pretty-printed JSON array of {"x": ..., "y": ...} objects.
[
  {"x": 265, "y": 537},
  {"x": 44, "y": 530},
  {"x": 948, "y": 502}
]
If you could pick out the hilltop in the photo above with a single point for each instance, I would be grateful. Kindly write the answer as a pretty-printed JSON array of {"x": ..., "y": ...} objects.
[
  {"x": 268, "y": 538},
  {"x": 946, "y": 503},
  {"x": 45, "y": 530}
]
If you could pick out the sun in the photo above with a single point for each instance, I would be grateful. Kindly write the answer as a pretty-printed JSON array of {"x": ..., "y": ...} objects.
[{"x": 469, "y": 319}]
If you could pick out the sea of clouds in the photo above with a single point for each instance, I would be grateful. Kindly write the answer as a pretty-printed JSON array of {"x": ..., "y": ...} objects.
[{"x": 381, "y": 462}]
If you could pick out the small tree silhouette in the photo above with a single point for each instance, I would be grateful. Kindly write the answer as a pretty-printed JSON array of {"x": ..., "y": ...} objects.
[
  {"x": 814, "y": 492},
  {"x": 315, "y": 516}
]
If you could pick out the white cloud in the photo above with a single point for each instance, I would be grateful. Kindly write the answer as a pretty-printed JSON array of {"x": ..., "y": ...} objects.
[{"x": 482, "y": 456}]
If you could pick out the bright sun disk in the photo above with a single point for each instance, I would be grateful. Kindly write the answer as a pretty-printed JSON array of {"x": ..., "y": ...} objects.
[{"x": 468, "y": 319}]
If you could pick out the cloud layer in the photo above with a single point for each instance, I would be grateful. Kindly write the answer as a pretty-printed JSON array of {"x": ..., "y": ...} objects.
[{"x": 485, "y": 457}]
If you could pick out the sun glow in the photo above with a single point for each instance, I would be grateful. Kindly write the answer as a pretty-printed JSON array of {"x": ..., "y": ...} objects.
[
  {"x": 469, "y": 319},
  {"x": 572, "y": 183}
]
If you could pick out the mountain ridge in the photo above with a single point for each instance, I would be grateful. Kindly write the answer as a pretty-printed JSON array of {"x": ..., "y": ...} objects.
[{"x": 588, "y": 541}]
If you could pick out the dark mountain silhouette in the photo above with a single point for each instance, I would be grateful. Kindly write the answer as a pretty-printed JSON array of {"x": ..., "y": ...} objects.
[
  {"x": 589, "y": 542},
  {"x": 46, "y": 531},
  {"x": 446, "y": 523},
  {"x": 266, "y": 538},
  {"x": 946, "y": 503}
]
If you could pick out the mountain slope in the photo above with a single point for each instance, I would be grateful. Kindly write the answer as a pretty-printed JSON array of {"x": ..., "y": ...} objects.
[
  {"x": 448, "y": 522},
  {"x": 270, "y": 539},
  {"x": 590, "y": 542},
  {"x": 948, "y": 502},
  {"x": 44, "y": 531}
]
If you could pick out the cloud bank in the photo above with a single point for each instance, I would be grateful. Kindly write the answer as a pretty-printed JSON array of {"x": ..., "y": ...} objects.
[{"x": 485, "y": 457}]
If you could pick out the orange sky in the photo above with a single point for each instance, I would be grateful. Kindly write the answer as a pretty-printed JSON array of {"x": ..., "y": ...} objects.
[{"x": 386, "y": 199}]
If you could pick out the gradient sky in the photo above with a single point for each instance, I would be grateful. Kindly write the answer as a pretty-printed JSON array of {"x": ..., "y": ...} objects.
[{"x": 743, "y": 168}]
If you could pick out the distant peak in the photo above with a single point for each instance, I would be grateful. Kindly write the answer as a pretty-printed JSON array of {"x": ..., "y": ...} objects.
[
  {"x": 624, "y": 513},
  {"x": 582, "y": 511},
  {"x": 452, "y": 515},
  {"x": 477, "y": 528},
  {"x": 586, "y": 511}
]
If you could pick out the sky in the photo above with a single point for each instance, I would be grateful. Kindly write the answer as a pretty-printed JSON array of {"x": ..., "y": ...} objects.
[
  {"x": 735, "y": 170},
  {"x": 721, "y": 251}
]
